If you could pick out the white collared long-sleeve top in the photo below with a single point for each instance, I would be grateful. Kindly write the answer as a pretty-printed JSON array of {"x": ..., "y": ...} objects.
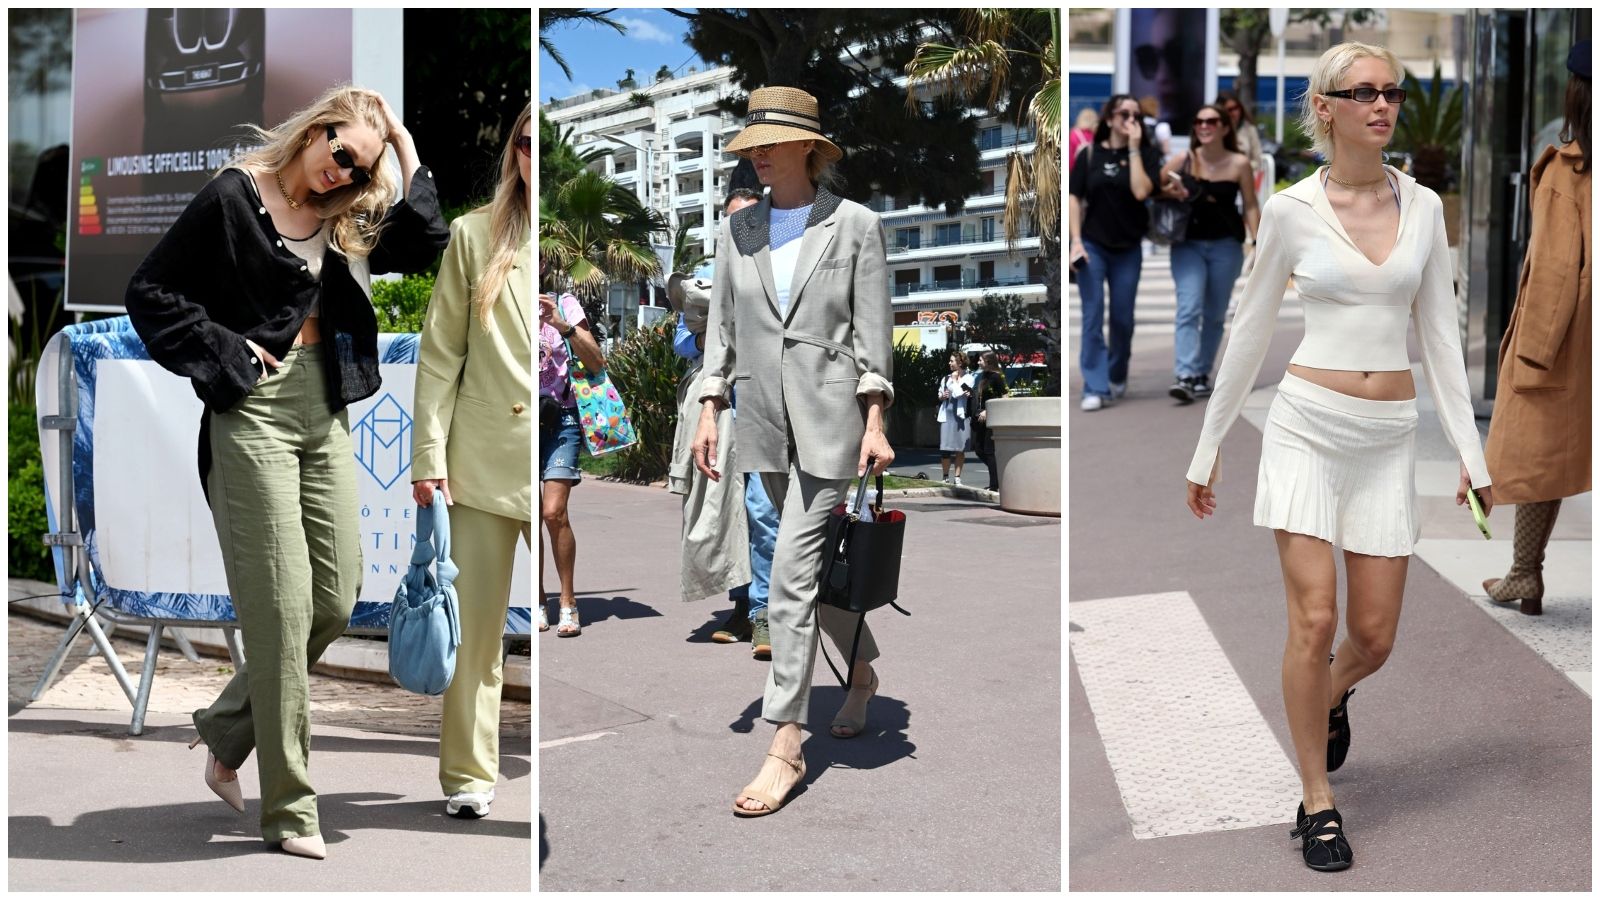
[{"x": 1356, "y": 312}]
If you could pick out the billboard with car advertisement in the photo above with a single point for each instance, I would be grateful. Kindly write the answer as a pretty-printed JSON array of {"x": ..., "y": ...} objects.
[{"x": 158, "y": 96}]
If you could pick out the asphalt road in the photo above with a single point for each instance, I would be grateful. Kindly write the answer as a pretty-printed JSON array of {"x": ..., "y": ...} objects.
[{"x": 647, "y": 730}]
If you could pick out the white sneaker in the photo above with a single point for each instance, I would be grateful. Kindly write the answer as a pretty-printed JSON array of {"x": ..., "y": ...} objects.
[
  {"x": 468, "y": 805},
  {"x": 1092, "y": 402},
  {"x": 1119, "y": 390},
  {"x": 947, "y": 479},
  {"x": 958, "y": 481}
]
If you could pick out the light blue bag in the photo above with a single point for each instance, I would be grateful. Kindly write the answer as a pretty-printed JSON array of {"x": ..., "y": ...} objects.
[{"x": 424, "y": 626}]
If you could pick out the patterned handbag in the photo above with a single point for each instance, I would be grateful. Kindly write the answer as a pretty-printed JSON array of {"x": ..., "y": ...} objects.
[{"x": 601, "y": 412}]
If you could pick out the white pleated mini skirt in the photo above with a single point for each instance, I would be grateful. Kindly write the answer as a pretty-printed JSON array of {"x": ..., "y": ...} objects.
[{"x": 1340, "y": 468}]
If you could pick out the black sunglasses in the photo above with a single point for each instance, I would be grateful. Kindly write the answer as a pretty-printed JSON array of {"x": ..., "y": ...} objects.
[
  {"x": 1149, "y": 57},
  {"x": 1208, "y": 122},
  {"x": 1369, "y": 94},
  {"x": 358, "y": 175},
  {"x": 524, "y": 145}
]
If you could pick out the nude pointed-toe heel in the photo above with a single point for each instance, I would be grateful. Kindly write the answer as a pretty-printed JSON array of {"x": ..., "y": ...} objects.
[
  {"x": 228, "y": 790},
  {"x": 309, "y": 846}
]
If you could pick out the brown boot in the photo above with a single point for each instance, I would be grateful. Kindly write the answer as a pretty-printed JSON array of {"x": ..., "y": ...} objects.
[{"x": 1525, "y": 581}]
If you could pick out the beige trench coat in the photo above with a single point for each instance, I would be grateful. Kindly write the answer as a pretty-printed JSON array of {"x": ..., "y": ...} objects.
[
  {"x": 1539, "y": 436},
  {"x": 715, "y": 554}
]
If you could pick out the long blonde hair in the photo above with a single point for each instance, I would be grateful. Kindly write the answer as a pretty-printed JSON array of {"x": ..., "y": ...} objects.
[
  {"x": 354, "y": 213},
  {"x": 509, "y": 217}
]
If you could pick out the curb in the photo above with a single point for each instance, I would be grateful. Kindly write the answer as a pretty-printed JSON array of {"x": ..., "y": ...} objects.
[{"x": 347, "y": 657}]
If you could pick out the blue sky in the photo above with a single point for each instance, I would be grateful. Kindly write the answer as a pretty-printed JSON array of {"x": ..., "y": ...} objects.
[{"x": 599, "y": 57}]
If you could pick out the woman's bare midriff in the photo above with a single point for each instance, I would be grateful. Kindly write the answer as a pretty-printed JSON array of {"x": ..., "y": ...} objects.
[
  {"x": 310, "y": 333},
  {"x": 1396, "y": 385}
]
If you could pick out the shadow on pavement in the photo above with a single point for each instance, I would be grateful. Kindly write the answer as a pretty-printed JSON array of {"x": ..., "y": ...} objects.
[
  {"x": 185, "y": 832},
  {"x": 702, "y": 634},
  {"x": 593, "y": 610},
  {"x": 513, "y": 751},
  {"x": 882, "y": 743}
]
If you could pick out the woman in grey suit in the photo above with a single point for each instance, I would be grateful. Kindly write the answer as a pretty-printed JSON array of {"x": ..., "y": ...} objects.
[{"x": 801, "y": 328}]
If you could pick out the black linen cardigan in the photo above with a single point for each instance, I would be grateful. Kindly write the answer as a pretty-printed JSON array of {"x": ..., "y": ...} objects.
[{"x": 222, "y": 274}]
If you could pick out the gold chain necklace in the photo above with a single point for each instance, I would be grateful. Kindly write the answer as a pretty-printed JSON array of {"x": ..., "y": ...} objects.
[
  {"x": 1361, "y": 186},
  {"x": 294, "y": 205}
]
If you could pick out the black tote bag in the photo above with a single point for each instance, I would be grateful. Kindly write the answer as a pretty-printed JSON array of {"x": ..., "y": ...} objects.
[{"x": 860, "y": 568}]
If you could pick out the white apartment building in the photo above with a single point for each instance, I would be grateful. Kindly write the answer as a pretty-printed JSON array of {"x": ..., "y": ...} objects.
[{"x": 669, "y": 152}]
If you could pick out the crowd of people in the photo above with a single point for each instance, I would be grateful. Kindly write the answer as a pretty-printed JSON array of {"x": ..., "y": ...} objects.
[{"x": 1121, "y": 160}]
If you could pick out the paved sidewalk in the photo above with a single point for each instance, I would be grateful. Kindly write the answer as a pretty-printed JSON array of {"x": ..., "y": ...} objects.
[
  {"x": 1470, "y": 767},
  {"x": 83, "y": 791},
  {"x": 647, "y": 730}
]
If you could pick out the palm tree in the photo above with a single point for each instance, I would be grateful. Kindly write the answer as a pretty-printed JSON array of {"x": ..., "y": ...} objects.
[
  {"x": 1430, "y": 127},
  {"x": 592, "y": 232},
  {"x": 551, "y": 19},
  {"x": 979, "y": 66},
  {"x": 687, "y": 254}
]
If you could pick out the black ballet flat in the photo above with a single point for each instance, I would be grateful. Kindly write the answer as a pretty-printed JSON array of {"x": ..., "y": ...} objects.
[
  {"x": 1339, "y": 723},
  {"x": 1331, "y": 855}
]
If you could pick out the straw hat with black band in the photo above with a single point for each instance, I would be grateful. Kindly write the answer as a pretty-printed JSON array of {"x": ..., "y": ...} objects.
[{"x": 779, "y": 115}]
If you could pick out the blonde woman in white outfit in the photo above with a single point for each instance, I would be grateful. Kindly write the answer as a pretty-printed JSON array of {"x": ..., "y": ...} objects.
[{"x": 1365, "y": 245}]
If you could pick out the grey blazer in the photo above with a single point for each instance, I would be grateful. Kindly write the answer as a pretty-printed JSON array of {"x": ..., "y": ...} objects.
[{"x": 807, "y": 374}]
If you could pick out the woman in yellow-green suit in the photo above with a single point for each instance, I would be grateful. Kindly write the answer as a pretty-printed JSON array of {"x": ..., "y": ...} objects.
[{"x": 474, "y": 444}]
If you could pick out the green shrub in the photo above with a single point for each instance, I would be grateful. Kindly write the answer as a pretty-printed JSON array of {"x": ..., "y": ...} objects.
[
  {"x": 917, "y": 371},
  {"x": 646, "y": 373},
  {"x": 26, "y": 523},
  {"x": 401, "y": 305}
]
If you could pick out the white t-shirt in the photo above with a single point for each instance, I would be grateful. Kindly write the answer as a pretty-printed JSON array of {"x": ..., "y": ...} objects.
[{"x": 783, "y": 240}]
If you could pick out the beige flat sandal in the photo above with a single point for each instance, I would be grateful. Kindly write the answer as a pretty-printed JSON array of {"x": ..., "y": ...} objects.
[
  {"x": 856, "y": 726},
  {"x": 773, "y": 804}
]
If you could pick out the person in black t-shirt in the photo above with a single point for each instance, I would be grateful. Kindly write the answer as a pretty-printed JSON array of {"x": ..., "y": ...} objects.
[{"x": 1109, "y": 182}]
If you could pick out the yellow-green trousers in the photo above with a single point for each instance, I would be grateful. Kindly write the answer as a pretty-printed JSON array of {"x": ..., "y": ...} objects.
[
  {"x": 283, "y": 497},
  {"x": 483, "y": 545}
]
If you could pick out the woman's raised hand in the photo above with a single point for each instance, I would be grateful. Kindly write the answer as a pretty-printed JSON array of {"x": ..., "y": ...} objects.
[{"x": 391, "y": 121}]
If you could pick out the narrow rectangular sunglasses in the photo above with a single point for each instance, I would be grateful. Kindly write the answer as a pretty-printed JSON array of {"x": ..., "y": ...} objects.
[
  {"x": 358, "y": 175},
  {"x": 1369, "y": 94}
]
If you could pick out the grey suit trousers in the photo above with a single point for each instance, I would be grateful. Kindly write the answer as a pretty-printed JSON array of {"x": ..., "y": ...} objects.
[{"x": 803, "y": 503}]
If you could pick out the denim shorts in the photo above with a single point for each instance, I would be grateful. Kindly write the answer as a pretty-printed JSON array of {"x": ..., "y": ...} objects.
[{"x": 558, "y": 452}]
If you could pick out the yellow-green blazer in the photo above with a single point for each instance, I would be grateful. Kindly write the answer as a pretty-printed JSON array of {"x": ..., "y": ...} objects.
[{"x": 474, "y": 407}]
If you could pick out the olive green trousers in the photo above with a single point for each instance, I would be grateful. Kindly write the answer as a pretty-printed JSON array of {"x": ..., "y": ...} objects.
[{"x": 283, "y": 497}]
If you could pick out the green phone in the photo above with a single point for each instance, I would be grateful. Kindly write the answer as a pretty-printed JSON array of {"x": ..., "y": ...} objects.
[{"x": 1477, "y": 513}]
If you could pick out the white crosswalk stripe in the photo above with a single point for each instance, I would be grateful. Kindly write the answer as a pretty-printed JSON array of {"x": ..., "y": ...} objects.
[
  {"x": 1156, "y": 308},
  {"x": 1187, "y": 744}
]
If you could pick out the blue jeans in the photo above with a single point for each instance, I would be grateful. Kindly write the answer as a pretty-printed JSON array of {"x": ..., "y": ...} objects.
[
  {"x": 763, "y": 519},
  {"x": 1099, "y": 363},
  {"x": 1205, "y": 272}
]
